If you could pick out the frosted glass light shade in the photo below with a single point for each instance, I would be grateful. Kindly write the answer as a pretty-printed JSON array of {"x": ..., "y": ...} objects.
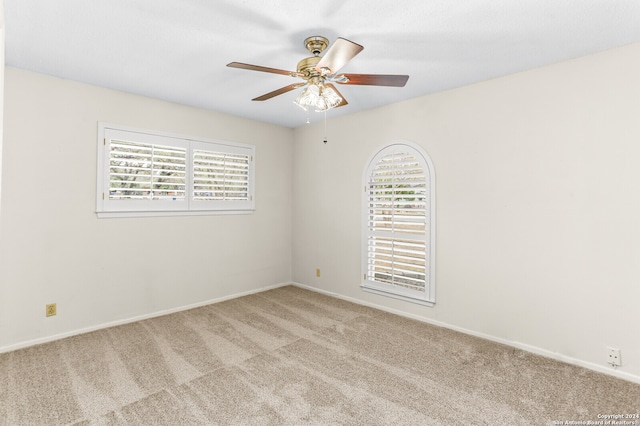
[{"x": 319, "y": 97}]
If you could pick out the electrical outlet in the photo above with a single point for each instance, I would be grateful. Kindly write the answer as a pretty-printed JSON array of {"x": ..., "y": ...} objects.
[
  {"x": 318, "y": 272},
  {"x": 614, "y": 357},
  {"x": 51, "y": 310}
]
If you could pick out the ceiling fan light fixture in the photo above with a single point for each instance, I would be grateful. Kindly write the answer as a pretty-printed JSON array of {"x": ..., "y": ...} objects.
[
  {"x": 319, "y": 97},
  {"x": 308, "y": 97},
  {"x": 331, "y": 97}
]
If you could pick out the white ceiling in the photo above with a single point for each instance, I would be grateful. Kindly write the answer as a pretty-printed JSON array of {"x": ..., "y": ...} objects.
[{"x": 178, "y": 50}]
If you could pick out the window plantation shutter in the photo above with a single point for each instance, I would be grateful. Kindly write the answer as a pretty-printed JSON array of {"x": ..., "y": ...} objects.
[
  {"x": 220, "y": 176},
  {"x": 146, "y": 171},
  {"x": 398, "y": 223}
]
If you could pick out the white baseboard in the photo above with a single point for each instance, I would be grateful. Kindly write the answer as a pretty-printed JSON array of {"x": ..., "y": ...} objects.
[
  {"x": 523, "y": 346},
  {"x": 76, "y": 332}
]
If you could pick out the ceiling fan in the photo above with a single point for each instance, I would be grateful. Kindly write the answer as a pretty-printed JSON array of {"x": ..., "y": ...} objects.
[{"x": 320, "y": 72}]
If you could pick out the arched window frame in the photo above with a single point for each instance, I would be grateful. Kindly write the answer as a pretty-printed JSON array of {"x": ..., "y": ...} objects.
[{"x": 371, "y": 231}]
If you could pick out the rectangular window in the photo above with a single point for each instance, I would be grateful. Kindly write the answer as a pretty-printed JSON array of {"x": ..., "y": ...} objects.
[{"x": 142, "y": 173}]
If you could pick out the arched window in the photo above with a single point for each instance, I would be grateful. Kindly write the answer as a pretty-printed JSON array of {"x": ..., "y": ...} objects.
[{"x": 398, "y": 245}]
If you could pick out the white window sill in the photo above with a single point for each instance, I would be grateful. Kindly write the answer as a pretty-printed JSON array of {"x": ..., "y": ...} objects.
[
  {"x": 397, "y": 296},
  {"x": 111, "y": 215}
]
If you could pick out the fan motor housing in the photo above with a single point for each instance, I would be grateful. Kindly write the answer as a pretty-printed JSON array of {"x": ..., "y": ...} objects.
[{"x": 307, "y": 66}]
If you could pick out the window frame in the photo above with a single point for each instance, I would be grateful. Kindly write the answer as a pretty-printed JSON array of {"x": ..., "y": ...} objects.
[
  {"x": 107, "y": 208},
  {"x": 427, "y": 297}
]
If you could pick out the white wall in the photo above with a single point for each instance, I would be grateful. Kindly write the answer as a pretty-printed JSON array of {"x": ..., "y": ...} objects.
[
  {"x": 537, "y": 203},
  {"x": 1, "y": 92},
  {"x": 100, "y": 271},
  {"x": 2, "y": 33},
  {"x": 538, "y": 206}
]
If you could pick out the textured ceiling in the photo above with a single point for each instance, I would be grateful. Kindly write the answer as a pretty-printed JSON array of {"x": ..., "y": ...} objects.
[{"x": 177, "y": 50}]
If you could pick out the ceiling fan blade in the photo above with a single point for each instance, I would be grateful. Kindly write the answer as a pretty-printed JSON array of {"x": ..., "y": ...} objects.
[
  {"x": 344, "y": 101},
  {"x": 340, "y": 52},
  {"x": 278, "y": 92},
  {"x": 263, "y": 69},
  {"x": 373, "y": 79}
]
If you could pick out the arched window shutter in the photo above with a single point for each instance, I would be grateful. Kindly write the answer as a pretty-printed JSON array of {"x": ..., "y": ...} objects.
[{"x": 398, "y": 224}]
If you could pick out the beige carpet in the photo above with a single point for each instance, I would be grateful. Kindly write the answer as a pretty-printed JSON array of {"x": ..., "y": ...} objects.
[{"x": 294, "y": 357}]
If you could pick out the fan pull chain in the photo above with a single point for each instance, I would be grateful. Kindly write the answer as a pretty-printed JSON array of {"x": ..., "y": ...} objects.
[{"x": 325, "y": 127}]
